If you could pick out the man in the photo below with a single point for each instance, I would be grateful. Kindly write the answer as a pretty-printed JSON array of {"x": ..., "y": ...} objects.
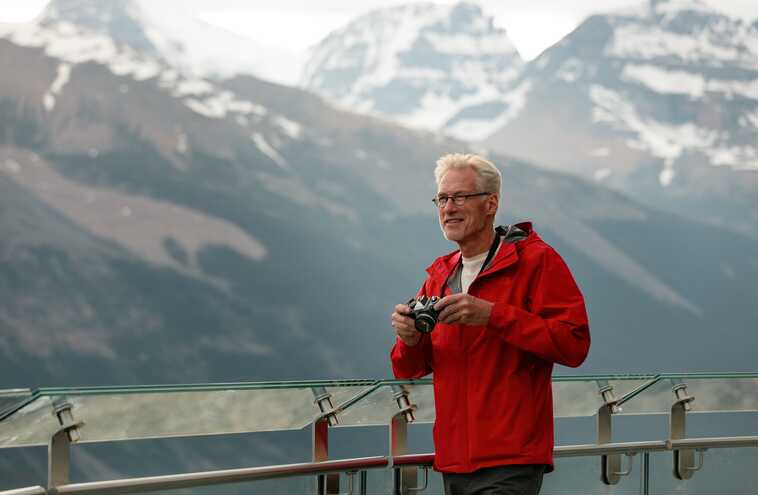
[{"x": 510, "y": 310}]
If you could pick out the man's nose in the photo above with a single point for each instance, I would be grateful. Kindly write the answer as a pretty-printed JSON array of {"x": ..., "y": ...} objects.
[{"x": 450, "y": 205}]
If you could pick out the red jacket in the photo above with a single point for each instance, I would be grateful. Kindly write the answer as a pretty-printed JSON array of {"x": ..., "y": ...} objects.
[{"x": 492, "y": 384}]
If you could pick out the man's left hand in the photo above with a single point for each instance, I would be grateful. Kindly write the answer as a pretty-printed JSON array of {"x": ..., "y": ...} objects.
[{"x": 463, "y": 309}]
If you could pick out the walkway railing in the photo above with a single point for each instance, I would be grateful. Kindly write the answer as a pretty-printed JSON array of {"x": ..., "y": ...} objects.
[{"x": 62, "y": 417}]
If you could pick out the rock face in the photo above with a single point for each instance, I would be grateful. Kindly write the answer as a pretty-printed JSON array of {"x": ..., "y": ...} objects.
[{"x": 419, "y": 64}]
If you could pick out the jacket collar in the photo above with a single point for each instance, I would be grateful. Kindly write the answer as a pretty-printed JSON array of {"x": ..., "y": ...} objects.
[{"x": 506, "y": 256}]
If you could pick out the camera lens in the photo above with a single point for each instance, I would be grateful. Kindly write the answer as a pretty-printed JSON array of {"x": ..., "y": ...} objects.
[{"x": 425, "y": 323}]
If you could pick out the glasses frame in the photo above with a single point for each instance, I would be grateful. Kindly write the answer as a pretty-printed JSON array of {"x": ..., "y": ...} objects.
[{"x": 458, "y": 199}]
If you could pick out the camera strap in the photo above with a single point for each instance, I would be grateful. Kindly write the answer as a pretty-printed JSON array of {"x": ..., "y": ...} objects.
[{"x": 500, "y": 232}]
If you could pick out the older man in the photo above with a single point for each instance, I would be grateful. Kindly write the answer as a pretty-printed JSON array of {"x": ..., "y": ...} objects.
[{"x": 509, "y": 310}]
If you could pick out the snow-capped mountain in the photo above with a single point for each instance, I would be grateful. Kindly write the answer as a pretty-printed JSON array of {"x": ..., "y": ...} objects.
[
  {"x": 660, "y": 101},
  {"x": 419, "y": 64},
  {"x": 174, "y": 36}
]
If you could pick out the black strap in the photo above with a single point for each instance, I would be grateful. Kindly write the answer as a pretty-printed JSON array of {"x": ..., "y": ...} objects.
[{"x": 500, "y": 231}]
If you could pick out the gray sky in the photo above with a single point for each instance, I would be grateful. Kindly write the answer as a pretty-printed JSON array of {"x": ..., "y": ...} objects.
[{"x": 532, "y": 25}]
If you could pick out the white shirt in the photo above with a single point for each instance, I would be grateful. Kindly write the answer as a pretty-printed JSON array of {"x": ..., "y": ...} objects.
[{"x": 471, "y": 268}]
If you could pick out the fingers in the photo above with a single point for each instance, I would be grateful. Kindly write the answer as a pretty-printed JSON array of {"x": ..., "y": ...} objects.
[
  {"x": 448, "y": 300},
  {"x": 403, "y": 309},
  {"x": 402, "y": 323},
  {"x": 452, "y": 314},
  {"x": 404, "y": 326},
  {"x": 449, "y": 306},
  {"x": 464, "y": 309}
]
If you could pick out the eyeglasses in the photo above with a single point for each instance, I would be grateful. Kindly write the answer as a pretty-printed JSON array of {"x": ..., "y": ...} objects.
[{"x": 458, "y": 199}]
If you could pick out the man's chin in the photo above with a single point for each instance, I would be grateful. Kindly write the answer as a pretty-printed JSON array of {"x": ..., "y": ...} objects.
[{"x": 452, "y": 235}]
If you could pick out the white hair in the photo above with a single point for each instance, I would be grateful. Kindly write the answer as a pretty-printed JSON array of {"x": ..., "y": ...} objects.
[{"x": 488, "y": 177}]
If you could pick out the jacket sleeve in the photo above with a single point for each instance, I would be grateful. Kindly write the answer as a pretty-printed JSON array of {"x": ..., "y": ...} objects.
[
  {"x": 555, "y": 326},
  {"x": 412, "y": 362}
]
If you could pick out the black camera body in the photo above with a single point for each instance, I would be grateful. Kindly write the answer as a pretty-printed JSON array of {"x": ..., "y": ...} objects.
[{"x": 423, "y": 312}]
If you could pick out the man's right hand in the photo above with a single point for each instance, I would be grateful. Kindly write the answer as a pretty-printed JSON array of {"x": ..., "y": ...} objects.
[{"x": 404, "y": 325}]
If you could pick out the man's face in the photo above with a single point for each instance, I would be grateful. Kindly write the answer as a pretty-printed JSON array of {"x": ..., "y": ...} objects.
[{"x": 461, "y": 223}]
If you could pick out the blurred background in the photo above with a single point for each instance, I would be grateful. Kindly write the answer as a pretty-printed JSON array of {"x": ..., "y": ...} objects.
[{"x": 216, "y": 191}]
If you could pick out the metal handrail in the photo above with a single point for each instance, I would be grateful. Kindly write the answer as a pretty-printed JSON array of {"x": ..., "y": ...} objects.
[
  {"x": 204, "y": 478},
  {"x": 32, "y": 490}
]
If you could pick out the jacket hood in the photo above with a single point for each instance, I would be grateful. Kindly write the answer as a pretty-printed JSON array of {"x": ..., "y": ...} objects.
[{"x": 506, "y": 255}]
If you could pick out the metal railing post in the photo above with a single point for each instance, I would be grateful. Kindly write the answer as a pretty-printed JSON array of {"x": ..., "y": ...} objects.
[
  {"x": 684, "y": 459},
  {"x": 403, "y": 478},
  {"x": 326, "y": 484},
  {"x": 59, "y": 447},
  {"x": 610, "y": 464}
]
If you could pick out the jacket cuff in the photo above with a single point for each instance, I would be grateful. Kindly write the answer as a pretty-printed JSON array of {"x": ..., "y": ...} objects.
[{"x": 403, "y": 351}]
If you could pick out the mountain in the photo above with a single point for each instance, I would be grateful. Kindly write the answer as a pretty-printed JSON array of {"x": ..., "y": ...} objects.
[
  {"x": 660, "y": 102},
  {"x": 158, "y": 227},
  {"x": 419, "y": 64},
  {"x": 172, "y": 35},
  {"x": 272, "y": 210}
]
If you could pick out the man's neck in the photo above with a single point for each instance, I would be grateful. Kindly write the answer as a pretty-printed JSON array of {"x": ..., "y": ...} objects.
[{"x": 479, "y": 244}]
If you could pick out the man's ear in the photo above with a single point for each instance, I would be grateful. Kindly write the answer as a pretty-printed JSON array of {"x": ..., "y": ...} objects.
[{"x": 493, "y": 200}]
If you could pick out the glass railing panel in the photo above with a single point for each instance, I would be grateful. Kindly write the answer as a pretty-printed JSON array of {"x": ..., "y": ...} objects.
[
  {"x": 347, "y": 394},
  {"x": 582, "y": 397},
  {"x": 581, "y": 475},
  {"x": 31, "y": 425},
  {"x": 11, "y": 397},
  {"x": 710, "y": 394},
  {"x": 374, "y": 409},
  {"x": 378, "y": 407},
  {"x": 724, "y": 471},
  {"x": 423, "y": 397},
  {"x": 572, "y": 398},
  {"x": 126, "y": 416}
]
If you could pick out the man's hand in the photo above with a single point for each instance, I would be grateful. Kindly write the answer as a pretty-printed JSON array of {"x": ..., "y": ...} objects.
[
  {"x": 463, "y": 309},
  {"x": 404, "y": 325}
]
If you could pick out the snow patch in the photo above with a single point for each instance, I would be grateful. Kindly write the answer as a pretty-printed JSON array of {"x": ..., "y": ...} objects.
[
  {"x": 600, "y": 152},
  {"x": 688, "y": 83},
  {"x": 466, "y": 44},
  {"x": 644, "y": 42},
  {"x": 193, "y": 87},
  {"x": 478, "y": 130},
  {"x": 750, "y": 118},
  {"x": 663, "y": 81},
  {"x": 602, "y": 173},
  {"x": 666, "y": 176},
  {"x": 61, "y": 78},
  {"x": 218, "y": 105},
  {"x": 571, "y": 70},
  {"x": 291, "y": 128},
  {"x": 746, "y": 89},
  {"x": 737, "y": 157},
  {"x": 663, "y": 140},
  {"x": 269, "y": 150}
]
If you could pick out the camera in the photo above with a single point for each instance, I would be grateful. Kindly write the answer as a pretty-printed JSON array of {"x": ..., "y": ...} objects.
[{"x": 423, "y": 312}]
